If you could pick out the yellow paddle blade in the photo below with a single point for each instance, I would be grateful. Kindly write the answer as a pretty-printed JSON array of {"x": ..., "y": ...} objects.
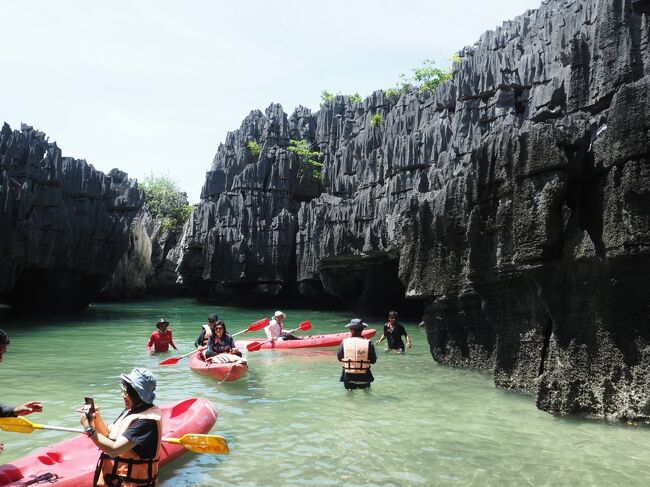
[
  {"x": 201, "y": 443},
  {"x": 18, "y": 425}
]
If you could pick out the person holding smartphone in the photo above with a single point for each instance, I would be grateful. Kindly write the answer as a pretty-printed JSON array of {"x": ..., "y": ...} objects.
[
  {"x": 131, "y": 445},
  {"x": 7, "y": 411}
]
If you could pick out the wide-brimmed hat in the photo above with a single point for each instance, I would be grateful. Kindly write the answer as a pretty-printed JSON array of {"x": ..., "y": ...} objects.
[
  {"x": 356, "y": 324},
  {"x": 143, "y": 382},
  {"x": 279, "y": 313},
  {"x": 162, "y": 321}
]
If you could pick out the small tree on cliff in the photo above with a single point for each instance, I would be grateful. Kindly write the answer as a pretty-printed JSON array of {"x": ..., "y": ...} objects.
[
  {"x": 310, "y": 166},
  {"x": 167, "y": 204}
]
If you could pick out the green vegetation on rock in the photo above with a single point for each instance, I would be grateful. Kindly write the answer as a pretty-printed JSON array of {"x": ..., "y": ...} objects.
[
  {"x": 254, "y": 148},
  {"x": 310, "y": 166},
  {"x": 376, "y": 120},
  {"x": 426, "y": 78},
  {"x": 165, "y": 202}
]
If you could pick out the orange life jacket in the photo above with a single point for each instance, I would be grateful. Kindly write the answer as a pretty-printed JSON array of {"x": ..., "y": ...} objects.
[
  {"x": 355, "y": 355},
  {"x": 128, "y": 469}
]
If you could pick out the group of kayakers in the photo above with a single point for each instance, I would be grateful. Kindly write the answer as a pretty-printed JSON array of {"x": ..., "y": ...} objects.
[
  {"x": 130, "y": 447},
  {"x": 356, "y": 353}
]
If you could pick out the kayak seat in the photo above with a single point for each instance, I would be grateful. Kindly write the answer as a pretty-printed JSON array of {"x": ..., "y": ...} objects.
[
  {"x": 45, "y": 460},
  {"x": 181, "y": 408}
]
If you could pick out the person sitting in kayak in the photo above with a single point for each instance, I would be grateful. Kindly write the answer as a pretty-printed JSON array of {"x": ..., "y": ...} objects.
[
  {"x": 161, "y": 339},
  {"x": 130, "y": 446},
  {"x": 356, "y": 354},
  {"x": 393, "y": 333},
  {"x": 221, "y": 346},
  {"x": 274, "y": 328},
  {"x": 13, "y": 411},
  {"x": 206, "y": 332}
]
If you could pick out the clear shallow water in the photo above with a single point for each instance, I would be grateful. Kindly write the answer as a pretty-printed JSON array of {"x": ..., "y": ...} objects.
[{"x": 290, "y": 422}]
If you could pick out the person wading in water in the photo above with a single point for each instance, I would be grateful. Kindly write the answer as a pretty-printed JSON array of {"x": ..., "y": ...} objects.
[
  {"x": 356, "y": 354},
  {"x": 161, "y": 339}
]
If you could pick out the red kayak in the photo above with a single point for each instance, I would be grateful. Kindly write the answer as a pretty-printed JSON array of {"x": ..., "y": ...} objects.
[
  {"x": 315, "y": 341},
  {"x": 73, "y": 461},
  {"x": 224, "y": 372}
]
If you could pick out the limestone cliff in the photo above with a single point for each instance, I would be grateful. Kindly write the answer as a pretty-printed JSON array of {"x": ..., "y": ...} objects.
[
  {"x": 63, "y": 224},
  {"x": 514, "y": 202}
]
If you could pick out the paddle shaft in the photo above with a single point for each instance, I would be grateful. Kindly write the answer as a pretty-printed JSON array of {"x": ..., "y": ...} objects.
[{"x": 177, "y": 441}]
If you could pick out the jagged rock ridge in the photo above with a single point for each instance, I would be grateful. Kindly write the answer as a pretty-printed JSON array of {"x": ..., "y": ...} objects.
[
  {"x": 64, "y": 224},
  {"x": 513, "y": 202}
]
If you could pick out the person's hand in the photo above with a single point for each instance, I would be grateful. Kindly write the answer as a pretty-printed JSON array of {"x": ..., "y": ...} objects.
[
  {"x": 84, "y": 419},
  {"x": 234, "y": 350},
  {"x": 28, "y": 408},
  {"x": 377, "y": 342},
  {"x": 408, "y": 343}
]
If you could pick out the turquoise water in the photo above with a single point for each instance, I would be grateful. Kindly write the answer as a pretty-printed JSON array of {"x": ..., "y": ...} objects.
[{"x": 290, "y": 422}]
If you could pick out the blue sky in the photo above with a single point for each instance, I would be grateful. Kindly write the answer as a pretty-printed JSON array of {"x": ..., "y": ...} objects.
[{"x": 152, "y": 87}]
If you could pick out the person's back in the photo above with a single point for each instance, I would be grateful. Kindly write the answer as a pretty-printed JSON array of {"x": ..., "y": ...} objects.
[{"x": 356, "y": 355}]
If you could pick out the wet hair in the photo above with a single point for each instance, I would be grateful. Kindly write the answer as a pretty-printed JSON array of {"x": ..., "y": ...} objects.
[
  {"x": 4, "y": 338},
  {"x": 221, "y": 323},
  {"x": 392, "y": 314}
]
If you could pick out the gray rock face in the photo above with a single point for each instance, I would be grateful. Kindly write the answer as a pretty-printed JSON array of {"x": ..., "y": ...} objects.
[
  {"x": 63, "y": 225},
  {"x": 513, "y": 202}
]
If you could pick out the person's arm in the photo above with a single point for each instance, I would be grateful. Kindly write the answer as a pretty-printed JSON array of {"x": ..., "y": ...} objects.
[
  {"x": 199, "y": 341},
  {"x": 340, "y": 353},
  {"x": 372, "y": 353},
  {"x": 6, "y": 411},
  {"x": 28, "y": 408},
  {"x": 171, "y": 341},
  {"x": 112, "y": 448},
  {"x": 150, "y": 343},
  {"x": 408, "y": 338},
  {"x": 99, "y": 424},
  {"x": 381, "y": 339},
  {"x": 267, "y": 330}
]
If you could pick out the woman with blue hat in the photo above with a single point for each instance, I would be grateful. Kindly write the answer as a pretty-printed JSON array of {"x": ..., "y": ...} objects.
[
  {"x": 130, "y": 446},
  {"x": 356, "y": 354}
]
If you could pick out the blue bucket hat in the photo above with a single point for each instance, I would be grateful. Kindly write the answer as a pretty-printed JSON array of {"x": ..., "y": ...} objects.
[
  {"x": 356, "y": 324},
  {"x": 144, "y": 383}
]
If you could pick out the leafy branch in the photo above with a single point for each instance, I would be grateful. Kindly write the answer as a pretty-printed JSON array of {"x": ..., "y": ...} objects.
[
  {"x": 165, "y": 202},
  {"x": 310, "y": 166}
]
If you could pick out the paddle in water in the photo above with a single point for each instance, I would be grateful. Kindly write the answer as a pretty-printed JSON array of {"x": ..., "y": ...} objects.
[
  {"x": 197, "y": 443},
  {"x": 255, "y": 346},
  {"x": 258, "y": 325}
]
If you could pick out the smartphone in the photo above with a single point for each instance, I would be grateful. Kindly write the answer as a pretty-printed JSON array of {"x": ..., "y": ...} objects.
[{"x": 91, "y": 403}]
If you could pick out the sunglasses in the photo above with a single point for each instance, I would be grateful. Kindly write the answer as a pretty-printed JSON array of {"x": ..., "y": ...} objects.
[
  {"x": 123, "y": 389},
  {"x": 219, "y": 328}
]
